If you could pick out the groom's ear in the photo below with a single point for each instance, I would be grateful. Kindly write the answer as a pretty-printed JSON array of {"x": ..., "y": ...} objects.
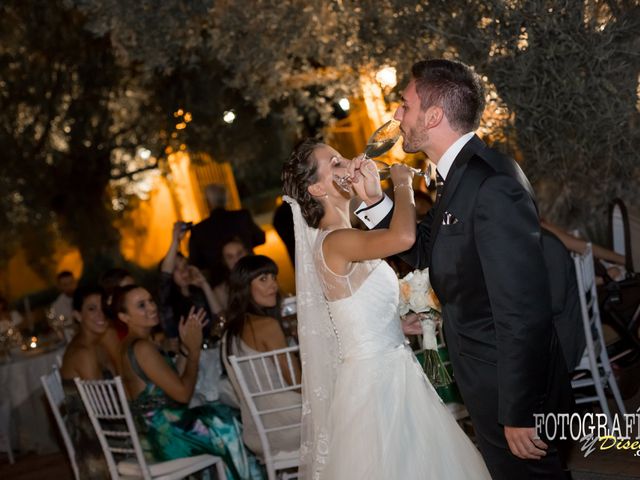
[
  {"x": 433, "y": 116},
  {"x": 316, "y": 190}
]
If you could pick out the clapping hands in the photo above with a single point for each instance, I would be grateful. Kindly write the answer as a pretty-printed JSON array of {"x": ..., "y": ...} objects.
[{"x": 190, "y": 329}]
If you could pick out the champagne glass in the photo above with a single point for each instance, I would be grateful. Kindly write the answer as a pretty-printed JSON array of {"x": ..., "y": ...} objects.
[
  {"x": 383, "y": 139},
  {"x": 379, "y": 143}
]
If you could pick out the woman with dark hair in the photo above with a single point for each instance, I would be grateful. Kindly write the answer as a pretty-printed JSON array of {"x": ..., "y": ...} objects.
[
  {"x": 182, "y": 287},
  {"x": 115, "y": 278},
  {"x": 233, "y": 249},
  {"x": 159, "y": 394},
  {"x": 86, "y": 358},
  {"x": 110, "y": 281},
  {"x": 370, "y": 412},
  {"x": 253, "y": 327}
]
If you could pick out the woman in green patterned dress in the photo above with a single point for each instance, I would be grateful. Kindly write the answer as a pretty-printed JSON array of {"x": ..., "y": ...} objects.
[
  {"x": 87, "y": 358},
  {"x": 159, "y": 391}
]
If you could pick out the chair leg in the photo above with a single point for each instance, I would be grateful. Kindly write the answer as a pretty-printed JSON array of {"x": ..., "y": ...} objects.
[
  {"x": 271, "y": 472},
  {"x": 10, "y": 453},
  {"x": 613, "y": 386},
  {"x": 633, "y": 324},
  {"x": 618, "y": 397},
  {"x": 610, "y": 380},
  {"x": 220, "y": 471},
  {"x": 7, "y": 439},
  {"x": 602, "y": 399}
]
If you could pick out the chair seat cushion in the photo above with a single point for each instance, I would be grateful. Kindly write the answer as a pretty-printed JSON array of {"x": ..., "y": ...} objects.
[{"x": 131, "y": 468}]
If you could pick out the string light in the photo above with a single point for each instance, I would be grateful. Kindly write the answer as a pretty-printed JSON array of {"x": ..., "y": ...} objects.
[
  {"x": 144, "y": 153},
  {"x": 344, "y": 104},
  {"x": 387, "y": 77},
  {"x": 229, "y": 116}
]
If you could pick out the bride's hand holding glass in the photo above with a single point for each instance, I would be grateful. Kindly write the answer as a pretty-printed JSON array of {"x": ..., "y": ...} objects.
[
  {"x": 379, "y": 143},
  {"x": 401, "y": 176},
  {"x": 365, "y": 179}
]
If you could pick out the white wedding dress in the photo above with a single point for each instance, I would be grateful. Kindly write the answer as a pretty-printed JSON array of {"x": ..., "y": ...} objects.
[{"x": 385, "y": 420}]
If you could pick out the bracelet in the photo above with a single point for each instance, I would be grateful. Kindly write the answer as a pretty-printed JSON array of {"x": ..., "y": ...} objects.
[{"x": 402, "y": 185}]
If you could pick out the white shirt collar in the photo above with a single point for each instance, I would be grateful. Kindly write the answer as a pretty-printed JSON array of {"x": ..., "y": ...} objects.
[{"x": 445, "y": 162}]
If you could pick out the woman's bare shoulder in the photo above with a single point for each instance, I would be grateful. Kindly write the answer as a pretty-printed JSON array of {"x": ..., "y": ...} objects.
[{"x": 76, "y": 359}]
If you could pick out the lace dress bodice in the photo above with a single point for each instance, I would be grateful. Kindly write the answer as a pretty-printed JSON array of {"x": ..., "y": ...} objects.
[
  {"x": 363, "y": 305},
  {"x": 368, "y": 411}
]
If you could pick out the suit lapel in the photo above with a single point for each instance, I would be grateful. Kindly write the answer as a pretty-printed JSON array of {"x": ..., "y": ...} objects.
[{"x": 451, "y": 184}]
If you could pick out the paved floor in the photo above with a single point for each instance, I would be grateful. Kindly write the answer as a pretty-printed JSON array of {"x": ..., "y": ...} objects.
[
  {"x": 612, "y": 464},
  {"x": 599, "y": 465}
]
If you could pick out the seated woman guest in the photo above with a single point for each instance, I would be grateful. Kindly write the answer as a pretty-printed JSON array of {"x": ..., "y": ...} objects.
[
  {"x": 253, "y": 326},
  {"x": 110, "y": 281},
  {"x": 607, "y": 262},
  {"x": 85, "y": 357},
  {"x": 233, "y": 250},
  {"x": 159, "y": 394},
  {"x": 182, "y": 287}
]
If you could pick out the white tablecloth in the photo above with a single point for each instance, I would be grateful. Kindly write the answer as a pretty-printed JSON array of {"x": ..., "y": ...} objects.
[{"x": 33, "y": 427}]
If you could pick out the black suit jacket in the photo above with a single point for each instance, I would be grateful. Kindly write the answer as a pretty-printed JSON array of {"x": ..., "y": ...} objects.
[
  {"x": 208, "y": 237},
  {"x": 565, "y": 300},
  {"x": 487, "y": 268}
]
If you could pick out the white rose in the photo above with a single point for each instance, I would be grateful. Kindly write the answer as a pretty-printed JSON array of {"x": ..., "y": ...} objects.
[
  {"x": 420, "y": 281},
  {"x": 419, "y": 301}
]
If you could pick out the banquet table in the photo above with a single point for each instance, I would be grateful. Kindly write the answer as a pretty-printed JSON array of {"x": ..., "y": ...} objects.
[{"x": 32, "y": 425}]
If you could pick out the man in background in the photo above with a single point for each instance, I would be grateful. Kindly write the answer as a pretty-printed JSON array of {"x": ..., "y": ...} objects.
[
  {"x": 208, "y": 236},
  {"x": 66, "y": 284}
]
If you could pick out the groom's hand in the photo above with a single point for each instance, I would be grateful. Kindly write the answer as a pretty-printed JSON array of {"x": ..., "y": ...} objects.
[
  {"x": 365, "y": 180},
  {"x": 524, "y": 443}
]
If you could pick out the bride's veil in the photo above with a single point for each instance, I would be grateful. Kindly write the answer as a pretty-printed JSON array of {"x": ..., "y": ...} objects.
[{"x": 318, "y": 350}]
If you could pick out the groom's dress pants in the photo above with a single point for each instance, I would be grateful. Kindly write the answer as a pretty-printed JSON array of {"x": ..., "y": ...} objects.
[{"x": 477, "y": 381}]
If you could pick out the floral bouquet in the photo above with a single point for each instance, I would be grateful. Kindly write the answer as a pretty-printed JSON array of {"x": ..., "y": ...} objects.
[{"x": 416, "y": 295}]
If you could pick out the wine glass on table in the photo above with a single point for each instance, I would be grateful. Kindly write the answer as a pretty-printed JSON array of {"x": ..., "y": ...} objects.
[{"x": 379, "y": 143}]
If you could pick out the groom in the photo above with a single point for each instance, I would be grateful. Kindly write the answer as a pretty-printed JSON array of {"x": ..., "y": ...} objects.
[{"x": 481, "y": 241}]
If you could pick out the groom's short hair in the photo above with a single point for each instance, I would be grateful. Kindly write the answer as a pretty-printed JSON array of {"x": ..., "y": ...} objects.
[{"x": 453, "y": 86}]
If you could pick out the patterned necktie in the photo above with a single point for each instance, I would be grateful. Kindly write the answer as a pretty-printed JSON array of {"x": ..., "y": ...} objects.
[{"x": 439, "y": 186}]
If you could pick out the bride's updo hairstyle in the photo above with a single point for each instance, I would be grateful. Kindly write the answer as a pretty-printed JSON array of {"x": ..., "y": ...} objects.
[{"x": 298, "y": 173}]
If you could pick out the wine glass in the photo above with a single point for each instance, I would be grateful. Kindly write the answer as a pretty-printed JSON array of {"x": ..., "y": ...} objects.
[{"x": 379, "y": 143}]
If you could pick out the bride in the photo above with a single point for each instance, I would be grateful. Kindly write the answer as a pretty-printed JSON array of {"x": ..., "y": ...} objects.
[{"x": 368, "y": 411}]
